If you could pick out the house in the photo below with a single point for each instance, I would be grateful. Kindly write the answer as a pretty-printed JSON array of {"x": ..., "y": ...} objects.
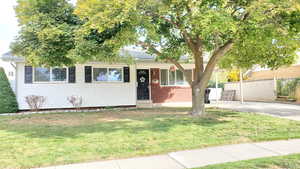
[
  {"x": 286, "y": 72},
  {"x": 10, "y": 70},
  {"x": 102, "y": 84}
]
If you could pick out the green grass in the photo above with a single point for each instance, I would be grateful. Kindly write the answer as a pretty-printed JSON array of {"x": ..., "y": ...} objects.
[
  {"x": 52, "y": 139},
  {"x": 281, "y": 162}
]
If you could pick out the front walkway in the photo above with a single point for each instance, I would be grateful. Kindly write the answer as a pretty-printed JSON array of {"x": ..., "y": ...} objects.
[
  {"x": 197, "y": 158},
  {"x": 288, "y": 111}
]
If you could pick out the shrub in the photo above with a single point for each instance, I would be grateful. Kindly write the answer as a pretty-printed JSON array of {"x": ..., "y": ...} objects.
[
  {"x": 35, "y": 102},
  {"x": 212, "y": 84},
  {"x": 8, "y": 101},
  {"x": 76, "y": 101}
]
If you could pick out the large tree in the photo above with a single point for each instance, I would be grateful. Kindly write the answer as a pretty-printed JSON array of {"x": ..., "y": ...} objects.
[
  {"x": 243, "y": 32},
  {"x": 236, "y": 32}
]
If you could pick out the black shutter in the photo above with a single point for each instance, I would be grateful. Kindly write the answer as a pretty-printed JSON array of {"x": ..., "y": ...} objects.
[
  {"x": 72, "y": 74},
  {"x": 88, "y": 74},
  {"x": 28, "y": 74},
  {"x": 126, "y": 71}
]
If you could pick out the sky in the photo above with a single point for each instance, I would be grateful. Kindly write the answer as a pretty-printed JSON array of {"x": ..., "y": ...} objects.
[{"x": 9, "y": 24}]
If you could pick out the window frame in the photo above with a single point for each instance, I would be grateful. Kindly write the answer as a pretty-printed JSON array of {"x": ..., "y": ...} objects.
[
  {"x": 51, "y": 80},
  {"x": 107, "y": 68},
  {"x": 168, "y": 78}
]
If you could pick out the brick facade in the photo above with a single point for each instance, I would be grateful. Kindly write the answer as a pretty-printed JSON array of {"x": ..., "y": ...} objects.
[{"x": 167, "y": 94}]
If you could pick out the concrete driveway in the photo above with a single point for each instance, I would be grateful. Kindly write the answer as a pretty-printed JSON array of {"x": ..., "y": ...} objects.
[{"x": 288, "y": 111}]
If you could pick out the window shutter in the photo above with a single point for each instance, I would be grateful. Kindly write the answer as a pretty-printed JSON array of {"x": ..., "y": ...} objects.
[
  {"x": 126, "y": 71},
  {"x": 28, "y": 74},
  {"x": 88, "y": 74},
  {"x": 72, "y": 74}
]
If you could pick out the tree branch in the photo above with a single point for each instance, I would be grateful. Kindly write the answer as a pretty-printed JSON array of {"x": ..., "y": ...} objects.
[
  {"x": 175, "y": 62},
  {"x": 151, "y": 47},
  {"x": 216, "y": 56},
  {"x": 184, "y": 33}
]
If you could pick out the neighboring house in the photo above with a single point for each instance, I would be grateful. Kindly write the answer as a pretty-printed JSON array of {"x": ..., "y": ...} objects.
[
  {"x": 288, "y": 72},
  {"x": 102, "y": 84},
  {"x": 10, "y": 69}
]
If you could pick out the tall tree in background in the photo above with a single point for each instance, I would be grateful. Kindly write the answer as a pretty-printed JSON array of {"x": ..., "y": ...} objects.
[
  {"x": 47, "y": 31},
  {"x": 236, "y": 32}
]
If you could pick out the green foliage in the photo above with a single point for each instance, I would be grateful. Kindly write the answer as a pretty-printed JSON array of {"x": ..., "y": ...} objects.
[
  {"x": 212, "y": 84},
  {"x": 8, "y": 102},
  {"x": 264, "y": 32},
  {"x": 280, "y": 162},
  {"x": 287, "y": 87},
  {"x": 54, "y": 33},
  {"x": 50, "y": 35},
  {"x": 270, "y": 37},
  {"x": 47, "y": 32}
]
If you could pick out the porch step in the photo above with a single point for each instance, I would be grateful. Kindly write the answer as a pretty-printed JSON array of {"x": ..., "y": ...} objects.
[{"x": 144, "y": 104}]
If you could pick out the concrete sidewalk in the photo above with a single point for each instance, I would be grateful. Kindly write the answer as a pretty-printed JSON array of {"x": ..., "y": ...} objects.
[{"x": 197, "y": 158}]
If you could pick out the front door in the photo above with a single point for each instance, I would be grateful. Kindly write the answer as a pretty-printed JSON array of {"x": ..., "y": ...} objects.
[{"x": 143, "y": 84}]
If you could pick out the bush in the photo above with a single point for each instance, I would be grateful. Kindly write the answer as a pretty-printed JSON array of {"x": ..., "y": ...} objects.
[
  {"x": 212, "y": 84},
  {"x": 35, "y": 102},
  {"x": 8, "y": 101},
  {"x": 76, "y": 101}
]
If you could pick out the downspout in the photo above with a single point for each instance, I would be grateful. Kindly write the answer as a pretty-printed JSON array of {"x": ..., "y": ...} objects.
[{"x": 13, "y": 65}]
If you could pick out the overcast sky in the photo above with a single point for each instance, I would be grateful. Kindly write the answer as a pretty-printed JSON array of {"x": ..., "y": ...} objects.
[{"x": 8, "y": 24}]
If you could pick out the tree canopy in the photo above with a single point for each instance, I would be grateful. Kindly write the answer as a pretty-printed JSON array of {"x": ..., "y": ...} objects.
[
  {"x": 264, "y": 32},
  {"x": 47, "y": 31}
]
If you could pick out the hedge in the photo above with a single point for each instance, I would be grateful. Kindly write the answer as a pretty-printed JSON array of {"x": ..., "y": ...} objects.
[{"x": 8, "y": 101}]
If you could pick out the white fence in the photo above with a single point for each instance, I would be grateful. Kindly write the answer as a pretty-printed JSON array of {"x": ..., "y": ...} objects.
[
  {"x": 215, "y": 93},
  {"x": 261, "y": 90}
]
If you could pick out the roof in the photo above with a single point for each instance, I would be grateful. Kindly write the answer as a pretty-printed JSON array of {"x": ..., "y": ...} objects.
[
  {"x": 8, "y": 57},
  {"x": 139, "y": 55}
]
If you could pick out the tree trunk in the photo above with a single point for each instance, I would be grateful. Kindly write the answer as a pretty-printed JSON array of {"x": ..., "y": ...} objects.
[{"x": 198, "y": 105}]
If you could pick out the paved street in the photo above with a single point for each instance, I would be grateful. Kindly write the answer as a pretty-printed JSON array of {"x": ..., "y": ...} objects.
[
  {"x": 198, "y": 157},
  {"x": 288, "y": 111}
]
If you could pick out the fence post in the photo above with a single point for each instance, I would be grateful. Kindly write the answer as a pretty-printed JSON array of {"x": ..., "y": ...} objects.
[
  {"x": 241, "y": 87},
  {"x": 217, "y": 86}
]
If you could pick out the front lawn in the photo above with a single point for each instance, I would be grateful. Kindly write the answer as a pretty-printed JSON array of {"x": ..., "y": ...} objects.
[
  {"x": 282, "y": 162},
  {"x": 51, "y": 139}
]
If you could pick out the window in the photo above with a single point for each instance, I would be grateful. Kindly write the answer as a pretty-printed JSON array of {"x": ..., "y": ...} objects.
[
  {"x": 10, "y": 73},
  {"x": 173, "y": 78},
  {"x": 179, "y": 77},
  {"x": 164, "y": 77},
  {"x": 59, "y": 74},
  {"x": 41, "y": 74},
  {"x": 108, "y": 74},
  {"x": 50, "y": 74},
  {"x": 100, "y": 74},
  {"x": 115, "y": 75}
]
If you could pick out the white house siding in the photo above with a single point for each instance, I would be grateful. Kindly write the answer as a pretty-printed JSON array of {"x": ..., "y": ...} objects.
[
  {"x": 10, "y": 72},
  {"x": 261, "y": 90},
  {"x": 94, "y": 94}
]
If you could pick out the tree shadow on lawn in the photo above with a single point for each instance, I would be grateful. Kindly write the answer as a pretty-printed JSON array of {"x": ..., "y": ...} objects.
[{"x": 128, "y": 124}]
